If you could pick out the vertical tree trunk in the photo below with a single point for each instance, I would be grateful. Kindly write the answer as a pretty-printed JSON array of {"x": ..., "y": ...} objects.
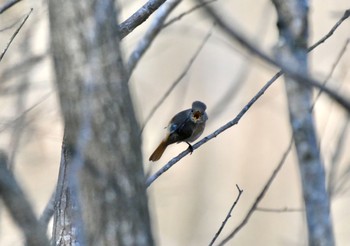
[
  {"x": 293, "y": 30},
  {"x": 104, "y": 175}
]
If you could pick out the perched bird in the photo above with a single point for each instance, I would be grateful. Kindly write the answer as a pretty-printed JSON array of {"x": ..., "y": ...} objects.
[{"x": 185, "y": 126}]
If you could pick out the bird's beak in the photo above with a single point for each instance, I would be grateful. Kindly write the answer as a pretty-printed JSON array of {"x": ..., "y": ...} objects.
[{"x": 197, "y": 115}]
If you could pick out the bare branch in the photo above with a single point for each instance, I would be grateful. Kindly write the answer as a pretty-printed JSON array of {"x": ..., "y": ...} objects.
[
  {"x": 227, "y": 216},
  {"x": 24, "y": 113},
  {"x": 8, "y": 5},
  {"x": 49, "y": 209},
  {"x": 279, "y": 210},
  {"x": 139, "y": 17},
  {"x": 19, "y": 207},
  {"x": 233, "y": 122},
  {"x": 146, "y": 41},
  {"x": 331, "y": 32},
  {"x": 22, "y": 65},
  {"x": 293, "y": 73},
  {"x": 223, "y": 128},
  {"x": 293, "y": 30},
  {"x": 260, "y": 196},
  {"x": 343, "y": 181},
  {"x": 196, "y": 7},
  {"x": 335, "y": 182},
  {"x": 178, "y": 80},
  {"x": 341, "y": 54},
  {"x": 14, "y": 35}
]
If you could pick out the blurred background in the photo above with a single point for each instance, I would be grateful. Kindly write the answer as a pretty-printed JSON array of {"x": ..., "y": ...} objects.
[{"x": 189, "y": 202}]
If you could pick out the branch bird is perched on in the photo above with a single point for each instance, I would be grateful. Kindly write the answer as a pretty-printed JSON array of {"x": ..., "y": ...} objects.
[{"x": 185, "y": 126}]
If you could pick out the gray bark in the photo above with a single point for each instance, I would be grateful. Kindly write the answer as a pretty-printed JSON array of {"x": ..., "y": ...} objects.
[
  {"x": 103, "y": 180},
  {"x": 292, "y": 52}
]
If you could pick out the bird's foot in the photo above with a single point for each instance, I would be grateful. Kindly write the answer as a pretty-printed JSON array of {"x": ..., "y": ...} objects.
[{"x": 190, "y": 147}]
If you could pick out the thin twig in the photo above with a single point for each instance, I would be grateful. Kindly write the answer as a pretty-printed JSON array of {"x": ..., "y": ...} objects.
[
  {"x": 23, "y": 65},
  {"x": 343, "y": 181},
  {"x": 8, "y": 5},
  {"x": 227, "y": 216},
  {"x": 279, "y": 210},
  {"x": 196, "y": 7},
  {"x": 178, "y": 80},
  {"x": 346, "y": 15},
  {"x": 155, "y": 27},
  {"x": 260, "y": 196},
  {"x": 49, "y": 209},
  {"x": 14, "y": 35},
  {"x": 335, "y": 64},
  {"x": 140, "y": 16},
  {"x": 293, "y": 73},
  {"x": 12, "y": 25},
  {"x": 333, "y": 180},
  {"x": 24, "y": 113}
]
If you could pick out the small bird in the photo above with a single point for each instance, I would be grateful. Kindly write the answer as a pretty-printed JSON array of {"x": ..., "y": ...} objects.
[{"x": 185, "y": 126}]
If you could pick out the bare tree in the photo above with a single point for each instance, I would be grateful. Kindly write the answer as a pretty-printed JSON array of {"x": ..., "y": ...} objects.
[
  {"x": 100, "y": 197},
  {"x": 294, "y": 31},
  {"x": 101, "y": 188}
]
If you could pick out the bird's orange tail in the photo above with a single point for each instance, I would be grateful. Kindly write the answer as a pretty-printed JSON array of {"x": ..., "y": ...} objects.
[{"x": 158, "y": 152}]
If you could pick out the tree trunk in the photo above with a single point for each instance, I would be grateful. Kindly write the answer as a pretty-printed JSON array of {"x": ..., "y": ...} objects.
[
  {"x": 292, "y": 52},
  {"x": 102, "y": 179}
]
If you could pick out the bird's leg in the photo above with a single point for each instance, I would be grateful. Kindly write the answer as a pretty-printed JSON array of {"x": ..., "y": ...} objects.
[{"x": 190, "y": 147}]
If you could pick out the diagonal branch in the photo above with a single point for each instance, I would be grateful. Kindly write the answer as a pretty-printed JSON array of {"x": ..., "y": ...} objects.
[
  {"x": 19, "y": 207},
  {"x": 331, "y": 32},
  {"x": 235, "y": 121},
  {"x": 8, "y": 5},
  {"x": 223, "y": 128},
  {"x": 14, "y": 35},
  {"x": 335, "y": 64},
  {"x": 140, "y": 16},
  {"x": 227, "y": 216},
  {"x": 194, "y": 8},
  {"x": 155, "y": 27},
  {"x": 260, "y": 196},
  {"x": 293, "y": 73}
]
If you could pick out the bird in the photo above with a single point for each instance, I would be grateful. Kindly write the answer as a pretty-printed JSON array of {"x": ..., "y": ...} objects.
[{"x": 186, "y": 126}]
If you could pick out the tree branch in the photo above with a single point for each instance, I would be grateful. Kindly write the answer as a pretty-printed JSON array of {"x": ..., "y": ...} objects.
[
  {"x": 227, "y": 216},
  {"x": 140, "y": 16},
  {"x": 14, "y": 35},
  {"x": 292, "y": 52},
  {"x": 235, "y": 121},
  {"x": 196, "y": 7},
  {"x": 335, "y": 64},
  {"x": 223, "y": 128},
  {"x": 331, "y": 32},
  {"x": 19, "y": 207},
  {"x": 293, "y": 73},
  {"x": 260, "y": 196},
  {"x": 279, "y": 210},
  {"x": 8, "y": 5},
  {"x": 49, "y": 209},
  {"x": 146, "y": 41}
]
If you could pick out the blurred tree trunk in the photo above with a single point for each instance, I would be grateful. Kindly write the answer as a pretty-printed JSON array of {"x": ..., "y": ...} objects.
[
  {"x": 101, "y": 189},
  {"x": 292, "y": 52}
]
